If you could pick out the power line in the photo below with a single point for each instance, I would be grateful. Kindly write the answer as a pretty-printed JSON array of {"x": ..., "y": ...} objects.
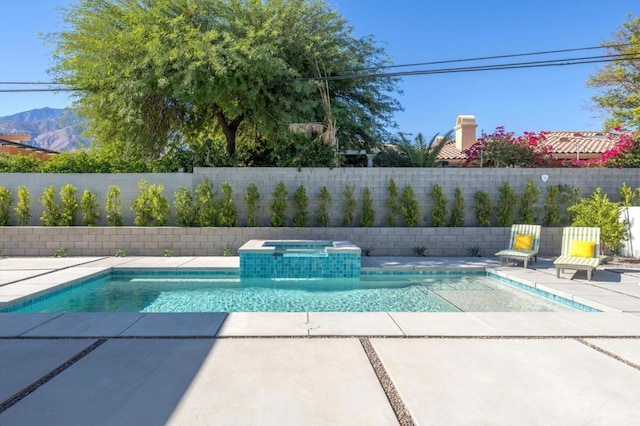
[
  {"x": 494, "y": 67},
  {"x": 482, "y": 58},
  {"x": 28, "y": 82},
  {"x": 62, "y": 89},
  {"x": 476, "y": 68}
]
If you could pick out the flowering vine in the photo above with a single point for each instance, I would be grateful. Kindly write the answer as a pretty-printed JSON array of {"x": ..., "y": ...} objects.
[
  {"x": 504, "y": 149},
  {"x": 624, "y": 153}
]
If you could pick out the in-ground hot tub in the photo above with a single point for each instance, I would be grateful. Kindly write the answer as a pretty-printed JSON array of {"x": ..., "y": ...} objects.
[{"x": 299, "y": 259}]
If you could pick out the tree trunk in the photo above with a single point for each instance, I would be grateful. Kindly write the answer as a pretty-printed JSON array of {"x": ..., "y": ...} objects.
[{"x": 228, "y": 128}]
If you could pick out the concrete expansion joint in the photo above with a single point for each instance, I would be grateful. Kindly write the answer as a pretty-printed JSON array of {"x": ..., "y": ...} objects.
[
  {"x": 23, "y": 393},
  {"x": 310, "y": 326},
  {"x": 52, "y": 271},
  {"x": 393, "y": 396},
  {"x": 614, "y": 290},
  {"x": 609, "y": 354}
]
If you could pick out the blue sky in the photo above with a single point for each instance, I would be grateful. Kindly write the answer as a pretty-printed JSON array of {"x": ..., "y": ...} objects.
[{"x": 412, "y": 31}]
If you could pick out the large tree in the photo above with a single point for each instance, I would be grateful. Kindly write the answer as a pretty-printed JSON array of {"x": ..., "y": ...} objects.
[
  {"x": 150, "y": 73},
  {"x": 620, "y": 79}
]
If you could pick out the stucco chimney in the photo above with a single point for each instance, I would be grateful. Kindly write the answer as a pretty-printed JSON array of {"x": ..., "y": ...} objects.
[{"x": 465, "y": 131}]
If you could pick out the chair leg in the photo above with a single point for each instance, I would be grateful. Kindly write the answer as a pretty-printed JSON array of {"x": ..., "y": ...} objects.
[
  {"x": 526, "y": 263},
  {"x": 589, "y": 272},
  {"x": 558, "y": 272}
]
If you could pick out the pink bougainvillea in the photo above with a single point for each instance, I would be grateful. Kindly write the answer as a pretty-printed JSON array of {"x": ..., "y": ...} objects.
[
  {"x": 617, "y": 156},
  {"x": 504, "y": 149}
]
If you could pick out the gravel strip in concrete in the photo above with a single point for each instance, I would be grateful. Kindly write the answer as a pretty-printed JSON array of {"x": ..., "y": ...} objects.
[{"x": 402, "y": 413}]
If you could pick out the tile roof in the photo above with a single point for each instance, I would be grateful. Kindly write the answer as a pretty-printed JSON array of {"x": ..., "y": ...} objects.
[
  {"x": 583, "y": 142},
  {"x": 7, "y": 142},
  {"x": 563, "y": 143},
  {"x": 450, "y": 152}
]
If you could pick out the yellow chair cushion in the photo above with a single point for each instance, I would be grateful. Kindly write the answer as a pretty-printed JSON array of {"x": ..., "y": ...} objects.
[
  {"x": 522, "y": 242},
  {"x": 581, "y": 248}
]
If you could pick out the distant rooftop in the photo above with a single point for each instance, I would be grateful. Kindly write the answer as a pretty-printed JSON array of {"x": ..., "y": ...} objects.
[
  {"x": 566, "y": 145},
  {"x": 12, "y": 145}
]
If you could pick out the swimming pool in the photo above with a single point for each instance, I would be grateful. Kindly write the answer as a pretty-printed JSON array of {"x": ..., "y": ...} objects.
[{"x": 200, "y": 291}]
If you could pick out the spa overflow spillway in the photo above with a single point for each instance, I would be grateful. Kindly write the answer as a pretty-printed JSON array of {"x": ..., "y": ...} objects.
[{"x": 290, "y": 259}]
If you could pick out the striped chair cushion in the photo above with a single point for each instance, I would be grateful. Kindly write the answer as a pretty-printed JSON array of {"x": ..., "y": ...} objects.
[
  {"x": 586, "y": 262},
  {"x": 518, "y": 253}
]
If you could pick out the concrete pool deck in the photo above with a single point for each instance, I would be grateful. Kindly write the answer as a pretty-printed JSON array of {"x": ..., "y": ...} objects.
[{"x": 322, "y": 368}]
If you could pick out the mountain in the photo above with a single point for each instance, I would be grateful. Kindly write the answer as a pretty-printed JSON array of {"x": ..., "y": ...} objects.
[{"x": 50, "y": 128}]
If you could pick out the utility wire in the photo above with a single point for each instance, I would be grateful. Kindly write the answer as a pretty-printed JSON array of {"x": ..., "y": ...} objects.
[
  {"x": 62, "y": 89},
  {"x": 28, "y": 82},
  {"x": 514, "y": 65},
  {"x": 482, "y": 58},
  {"x": 492, "y": 67}
]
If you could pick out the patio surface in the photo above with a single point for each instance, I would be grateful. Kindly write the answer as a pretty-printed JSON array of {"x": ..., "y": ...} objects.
[{"x": 322, "y": 368}]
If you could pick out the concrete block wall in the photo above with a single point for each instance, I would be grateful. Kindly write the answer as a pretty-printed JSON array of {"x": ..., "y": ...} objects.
[
  {"x": 421, "y": 179},
  {"x": 154, "y": 241},
  {"x": 97, "y": 183},
  {"x": 313, "y": 179}
]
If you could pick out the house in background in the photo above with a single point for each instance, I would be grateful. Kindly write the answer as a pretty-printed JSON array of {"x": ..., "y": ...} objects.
[
  {"x": 566, "y": 145},
  {"x": 14, "y": 145}
]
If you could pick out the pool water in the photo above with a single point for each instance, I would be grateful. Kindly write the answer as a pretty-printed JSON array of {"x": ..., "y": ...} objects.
[{"x": 207, "y": 292}]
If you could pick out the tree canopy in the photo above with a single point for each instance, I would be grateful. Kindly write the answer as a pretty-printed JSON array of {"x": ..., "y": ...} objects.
[
  {"x": 224, "y": 77},
  {"x": 620, "y": 79}
]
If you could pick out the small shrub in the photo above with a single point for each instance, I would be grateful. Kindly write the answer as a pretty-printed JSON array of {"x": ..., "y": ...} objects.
[
  {"x": 226, "y": 251},
  {"x": 151, "y": 207},
  {"x": 439, "y": 211},
  {"x": 325, "y": 201},
  {"x": 557, "y": 199},
  {"x": 475, "y": 250},
  {"x": 349, "y": 205},
  {"x": 160, "y": 207},
  {"x": 227, "y": 213},
  {"x": 392, "y": 203},
  {"x": 89, "y": 208},
  {"x": 420, "y": 251},
  {"x": 483, "y": 208},
  {"x": 168, "y": 253},
  {"x": 113, "y": 206},
  {"x": 300, "y": 204},
  {"x": 552, "y": 215},
  {"x": 409, "y": 207},
  {"x": 23, "y": 208},
  {"x": 457, "y": 213},
  {"x": 629, "y": 196},
  {"x": 51, "y": 208},
  {"x": 366, "y": 251},
  {"x": 598, "y": 211},
  {"x": 569, "y": 197},
  {"x": 527, "y": 213},
  {"x": 368, "y": 216},
  {"x": 278, "y": 205},
  {"x": 121, "y": 253},
  {"x": 70, "y": 205},
  {"x": 252, "y": 199},
  {"x": 206, "y": 203},
  {"x": 142, "y": 205},
  {"x": 61, "y": 252},
  {"x": 184, "y": 205},
  {"x": 6, "y": 201},
  {"x": 507, "y": 201}
]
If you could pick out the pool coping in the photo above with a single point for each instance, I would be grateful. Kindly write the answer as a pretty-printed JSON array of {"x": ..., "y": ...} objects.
[{"x": 616, "y": 294}]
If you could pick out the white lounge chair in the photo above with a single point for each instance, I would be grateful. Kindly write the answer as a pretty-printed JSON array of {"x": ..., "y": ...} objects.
[
  {"x": 523, "y": 244},
  {"x": 580, "y": 250}
]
